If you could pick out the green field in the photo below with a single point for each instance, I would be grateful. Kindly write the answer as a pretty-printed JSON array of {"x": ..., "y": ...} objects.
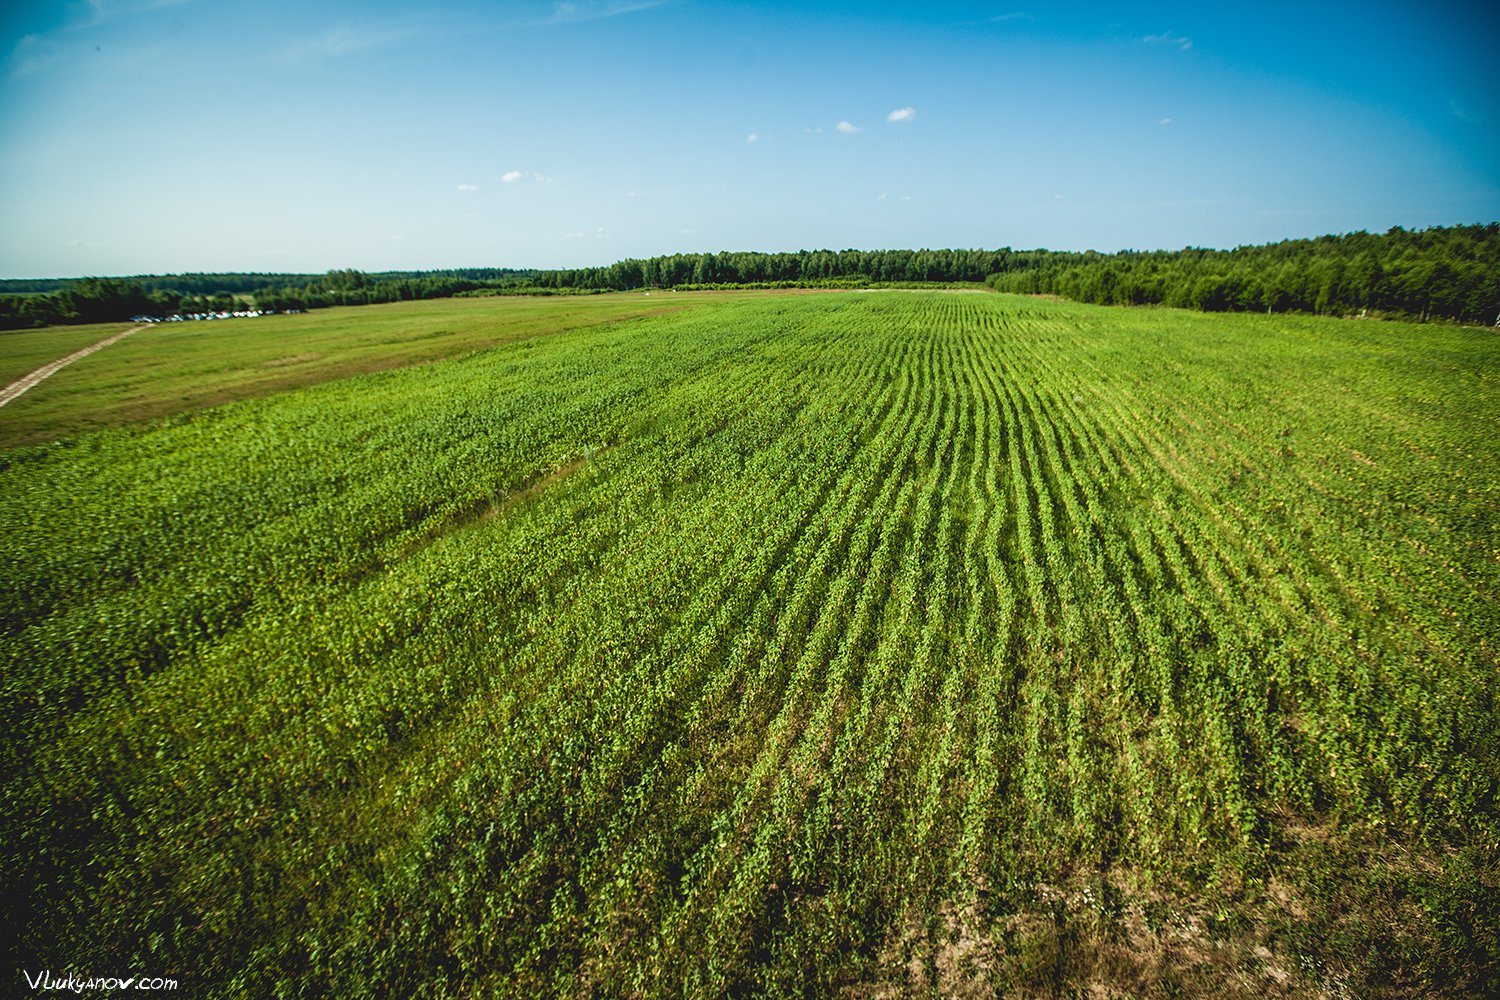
[
  {"x": 871, "y": 644},
  {"x": 176, "y": 367},
  {"x": 24, "y": 351}
]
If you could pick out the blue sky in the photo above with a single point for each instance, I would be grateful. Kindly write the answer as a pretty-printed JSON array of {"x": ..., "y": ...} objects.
[{"x": 171, "y": 135}]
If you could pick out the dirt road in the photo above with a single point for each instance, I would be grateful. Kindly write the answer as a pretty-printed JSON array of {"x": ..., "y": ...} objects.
[{"x": 19, "y": 386}]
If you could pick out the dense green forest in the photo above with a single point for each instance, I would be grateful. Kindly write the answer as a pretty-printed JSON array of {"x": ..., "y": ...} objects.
[
  {"x": 237, "y": 283},
  {"x": 98, "y": 300},
  {"x": 1452, "y": 273},
  {"x": 87, "y": 300},
  {"x": 349, "y": 287},
  {"x": 186, "y": 284},
  {"x": 802, "y": 267},
  {"x": 1444, "y": 273}
]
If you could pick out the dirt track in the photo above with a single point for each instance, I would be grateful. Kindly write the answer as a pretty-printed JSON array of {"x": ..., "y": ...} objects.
[{"x": 19, "y": 386}]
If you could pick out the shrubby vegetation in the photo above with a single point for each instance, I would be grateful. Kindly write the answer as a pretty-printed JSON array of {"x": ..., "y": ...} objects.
[{"x": 880, "y": 644}]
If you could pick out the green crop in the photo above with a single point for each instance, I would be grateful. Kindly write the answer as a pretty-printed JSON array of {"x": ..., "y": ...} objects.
[{"x": 880, "y": 643}]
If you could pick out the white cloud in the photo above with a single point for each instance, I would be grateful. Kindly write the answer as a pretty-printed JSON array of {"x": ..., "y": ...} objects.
[
  {"x": 1165, "y": 121},
  {"x": 1167, "y": 38},
  {"x": 341, "y": 41},
  {"x": 901, "y": 115},
  {"x": 1015, "y": 15},
  {"x": 99, "y": 11},
  {"x": 752, "y": 137},
  {"x": 688, "y": 232},
  {"x": 96, "y": 13},
  {"x": 848, "y": 128},
  {"x": 36, "y": 52},
  {"x": 593, "y": 10},
  {"x": 32, "y": 54},
  {"x": 511, "y": 176},
  {"x": 467, "y": 187},
  {"x": 880, "y": 197},
  {"x": 1463, "y": 112}
]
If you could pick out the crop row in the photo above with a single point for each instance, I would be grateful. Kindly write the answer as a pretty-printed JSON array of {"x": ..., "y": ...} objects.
[{"x": 739, "y": 649}]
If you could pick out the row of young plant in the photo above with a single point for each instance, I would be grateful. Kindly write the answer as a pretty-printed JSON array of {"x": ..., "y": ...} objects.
[{"x": 730, "y": 651}]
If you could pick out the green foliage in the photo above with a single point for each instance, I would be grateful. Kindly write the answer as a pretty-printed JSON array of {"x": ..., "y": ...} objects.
[
  {"x": 881, "y": 643},
  {"x": 1444, "y": 272},
  {"x": 244, "y": 283},
  {"x": 355, "y": 288},
  {"x": 805, "y": 268},
  {"x": 1448, "y": 272},
  {"x": 87, "y": 300},
  {"x": 50, "y": 302}
]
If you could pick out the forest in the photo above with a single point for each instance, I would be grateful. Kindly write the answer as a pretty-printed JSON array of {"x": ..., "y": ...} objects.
[
  {"x": 1445, "y": 272},
  {"x": 1448, "y": 272},
  {"x": 52, "y": 302}
]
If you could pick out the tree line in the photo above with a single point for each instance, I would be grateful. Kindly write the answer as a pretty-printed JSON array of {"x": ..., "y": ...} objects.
[
  {"x": 245, "y": 283},
  {"x": 103, "y": 300},
  {"x": 87, "y": 300},
  {"x": 1442, "y": 272},
  {"x": 349, "y": 287},
  {"x": 822, "y": 266}
]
